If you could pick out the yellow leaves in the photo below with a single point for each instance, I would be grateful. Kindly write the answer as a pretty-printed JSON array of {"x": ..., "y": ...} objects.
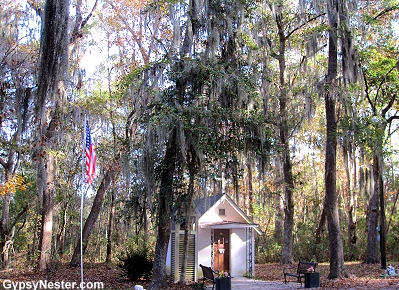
[{"x": 16, "y": 182}]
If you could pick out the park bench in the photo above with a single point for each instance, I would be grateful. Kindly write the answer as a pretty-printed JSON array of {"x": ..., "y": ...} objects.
[
  {"x": 209, "y": 274},
  {"x": 302, "y": 268}
]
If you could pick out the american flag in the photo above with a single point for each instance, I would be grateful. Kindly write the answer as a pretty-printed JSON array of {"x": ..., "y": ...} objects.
[{"x": 90, "y": 156}]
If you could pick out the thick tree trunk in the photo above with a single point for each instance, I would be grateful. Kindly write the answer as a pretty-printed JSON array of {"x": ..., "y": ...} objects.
[
  {"x": 47, "y": 215},
  {"x": 46, "y": 177},
  {"x": 187, "y": 207},
  {"x": 383, "y": 246},
  {"x": 95, "y": 211},
  {"x": 163, "y": 234},
  {"x": 337, "y": 268},
  {"x": 279, "y": 206},
  {"x": 372, "y": 252},
  {"x": 250, "y": 188},
  {"x": 110, "y": 227},
  {"x": 4, "y": 231},
  {"x": 350, "y": 76},
  {"x": 288, "y": 186},
  {"x": 53, "y": 68},
  {"x": 186, "y": 240},
  {"x": 286, "y": 255},
  {"x": 350, "y": 170},
  {"x": 164, "y": 214},
  {"x": 62, "y": 230}
]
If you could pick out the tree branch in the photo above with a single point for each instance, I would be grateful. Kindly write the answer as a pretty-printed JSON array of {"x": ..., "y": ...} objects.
[
  {"x": 24, "y": 210},
  {"x": 36, "y": 7},
  {"x": 366, "y": 90},
  {"x": 390, "y": 119},
  {"x": 80, "y": 24},
  {"x": 385, "y": 11},
  {"x": 303, "y": 24}
]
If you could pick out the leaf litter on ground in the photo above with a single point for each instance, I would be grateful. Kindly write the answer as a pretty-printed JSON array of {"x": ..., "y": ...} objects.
[{"x": 361, "y": 276}]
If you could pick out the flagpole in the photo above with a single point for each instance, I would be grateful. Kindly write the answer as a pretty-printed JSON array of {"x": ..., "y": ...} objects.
[
  {"x": 82, "y": 198},
  {"x": 89, "y": 172}
]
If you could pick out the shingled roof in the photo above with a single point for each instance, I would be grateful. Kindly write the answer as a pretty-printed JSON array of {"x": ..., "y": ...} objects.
[{"x": 204, "y": 204}]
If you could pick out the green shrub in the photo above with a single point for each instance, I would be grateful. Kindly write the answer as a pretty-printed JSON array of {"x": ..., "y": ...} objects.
[{"x": 137, "y": 261}]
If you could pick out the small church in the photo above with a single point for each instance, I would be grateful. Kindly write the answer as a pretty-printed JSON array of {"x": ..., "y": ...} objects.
[{"x": 222, "y": 236}]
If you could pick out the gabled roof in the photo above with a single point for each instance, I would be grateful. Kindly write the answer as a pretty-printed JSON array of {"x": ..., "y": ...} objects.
[
  {"x": 213, "y": 203},
  {"x": 202, "y": 203}
]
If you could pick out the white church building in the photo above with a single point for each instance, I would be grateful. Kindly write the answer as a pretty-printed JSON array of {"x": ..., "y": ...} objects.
[{"x": 221, "y": 236}]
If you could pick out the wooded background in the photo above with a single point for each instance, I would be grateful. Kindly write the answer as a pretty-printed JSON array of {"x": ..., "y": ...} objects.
[{"x": 290, "y": 107}]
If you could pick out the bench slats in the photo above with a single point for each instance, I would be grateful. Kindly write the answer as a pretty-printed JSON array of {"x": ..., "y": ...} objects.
[
  {"x": 302, "y": 268},
  {"x": 208, "y": 273}
]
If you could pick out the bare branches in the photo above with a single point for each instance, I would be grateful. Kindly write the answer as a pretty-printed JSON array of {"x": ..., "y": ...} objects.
[{"x": 80, "y": 23}]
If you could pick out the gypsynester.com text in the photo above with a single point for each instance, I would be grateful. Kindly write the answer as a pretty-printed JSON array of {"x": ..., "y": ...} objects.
[{"x": 44, "y": 284}]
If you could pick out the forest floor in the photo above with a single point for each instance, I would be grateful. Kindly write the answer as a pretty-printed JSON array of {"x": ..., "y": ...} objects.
[{"x": 362, "y": 276}]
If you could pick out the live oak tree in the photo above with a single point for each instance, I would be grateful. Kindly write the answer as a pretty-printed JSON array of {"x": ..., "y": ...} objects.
[
  {"x": 283, "y": 95},
  {"x": 380, "y": 77},
  {"x": 51, "y": 79},
  {"x": 329, "y": 90},
  {"x": 288, "y": 122},
  {"x": 50, "y": 102},
  {"x": 208, "y": 112}
]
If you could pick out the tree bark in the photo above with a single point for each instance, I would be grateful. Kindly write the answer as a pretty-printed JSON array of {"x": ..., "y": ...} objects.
[
  {"x": 188, "y": 201},
  {"x": 286, "y": 256},
  {"x": 350, "y": 170},
  {"x": 383, "y": 246},
  {"x": 288, "y": 186},
  {"x": 47, "y": 216},
  {"x": 164, "y": 214},
  {"x": 278, "y": 205},
  {"x": 337, "y": 268},
  {"x": 110, "y": 227},
  {"x": 4, "y": 230},
  {"x": 250, "y": 188},
  {"x": 62, "y": 230},
  {"x": 95, "y": 211},
  {"x": 52, "y": 73},
  {"x": 372, "y": 251}
]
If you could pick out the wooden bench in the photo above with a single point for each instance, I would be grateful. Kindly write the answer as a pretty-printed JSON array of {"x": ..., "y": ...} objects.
[
  {"x": 209, "y": 274},
  {"x": 301, "y": 269}
]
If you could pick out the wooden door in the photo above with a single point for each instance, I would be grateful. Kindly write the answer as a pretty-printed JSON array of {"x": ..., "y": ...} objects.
[{"x": 221, "y": 250}]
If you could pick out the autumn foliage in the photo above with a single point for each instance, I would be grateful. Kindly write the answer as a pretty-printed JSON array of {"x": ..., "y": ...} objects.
[{"x": 16, "y": 182}]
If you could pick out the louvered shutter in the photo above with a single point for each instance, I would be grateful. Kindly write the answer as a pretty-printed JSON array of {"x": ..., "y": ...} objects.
[{"x": 176, "y": 263}]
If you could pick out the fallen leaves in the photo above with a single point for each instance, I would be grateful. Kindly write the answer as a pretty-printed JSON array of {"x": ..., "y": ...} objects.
[{"x": 361, "y": 276}]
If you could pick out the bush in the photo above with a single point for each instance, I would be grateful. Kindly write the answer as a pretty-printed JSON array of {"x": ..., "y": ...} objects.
[{"x": 137, "y": 261}]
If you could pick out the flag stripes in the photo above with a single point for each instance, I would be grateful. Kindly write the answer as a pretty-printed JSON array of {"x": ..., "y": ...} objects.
[{"x": 90, "y": 156}]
